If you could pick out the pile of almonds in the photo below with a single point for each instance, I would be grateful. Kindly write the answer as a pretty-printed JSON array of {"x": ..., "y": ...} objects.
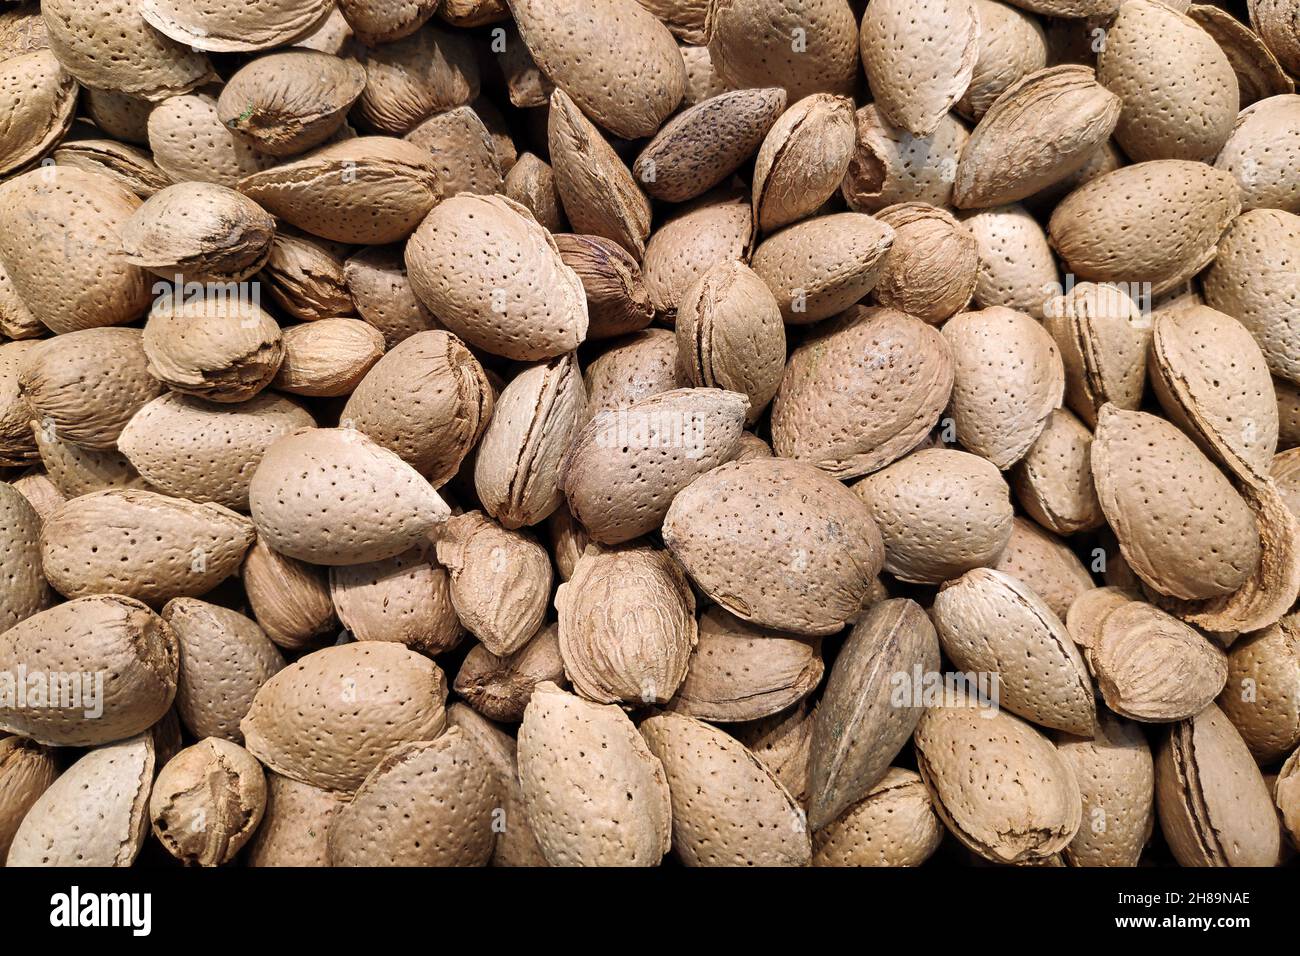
[{"x": 610, "y": 432}]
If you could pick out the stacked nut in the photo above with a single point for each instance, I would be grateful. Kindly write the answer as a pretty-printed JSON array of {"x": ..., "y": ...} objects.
[{"x": 603, "y": 432}]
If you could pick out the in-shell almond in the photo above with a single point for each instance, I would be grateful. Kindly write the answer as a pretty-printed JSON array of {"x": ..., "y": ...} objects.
[
  {"x": 463, "y": 150},
  {"x": 295, "y": 825},
  {"x": 333, "y": 496},
  {"x": 617, "y": 298},
  {"x": 641, "y": 364},
  {"x": 932, "y": 266},
  {"x": 1046, "y": 564},
  {"x": 531, "y": 183},
  {"x": 207, "y": 802},
  {"x": 893, "y": 166},
  {"x": 863, "y": 721},
  {"x": 382, "y": 293},
  {"x": 728, "y": 808},
  {"x": 40, "y": 99},
  {"x": 306, "y": 276},
  {"x": 376, "y": 22},
  {"x": 715, "y": 229},
  {"x": 328, "y": 357},
  {"x": 776, "y": 542},
  {"x": 25, "y": 592},
  {"x": 624, "y": 468},
  {"x": 594, "y": 793},
  {"x": 26, "y": 771},
  {"x": 121, "y": 659},
  {"x": 1154, "y": 668},
  {"x": 189, "y": 142},
  {"x": 627, "y": 625},
  {"x": 1012, "y": 44},
  {"x": 998, "y": 784},
  {"x": 803, "y": 160},
  {"x": 232, "y": 27},
  {"x": 430, "y": 71},
  {"x": 750, "y": 44},
  {"x": 405, "y": 598},
  {"x": 989, "y": 622},
  {"x": 493, "y": 276},
  {"x": 1262, "y": 153},
  {"x": 1053, "y": 482},
  {"x": 289, "y": 598},
  {"x": 499, "y": 688},
  {"x": 1017, "y": 269},
  {"x": 332, "y": 717},
  {"x": 893, "y": 825},
  {"x": 1262, "y": 694}
]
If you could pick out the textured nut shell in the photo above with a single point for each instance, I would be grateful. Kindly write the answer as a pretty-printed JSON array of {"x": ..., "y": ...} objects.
[
  {"x": 291, "y": 101},
  {"x": 107, "y": 46},
  {"x": 740, "y": 672},
  {"x": 406, "y": 598},
  {"x": 1104, "y": 230},
  {"x": 1042, "y": 129},
  {"x": 426, "y": 804},
  {"x": 306, "y": 277},
  {"x": 940, "y": 512},
  {"x": 494, "y": 276},
  {"x": 380, "y": 21},
  {"x": 617, "y": 298},
  {"x": 597, "y": 190},
  {"x": 1262, "y": 153},
  {"x": 74, "y": 470},
  {"x": 642, "y": 364},
  {"x": 428, "y": 400},
  {"x": 60, "y": 244},
  {"x": 749, "y": 44},
  {"x": 531, "y": 183},
  {"x": 1116, "y": 777},
  {"x": 295, "y": 825},
  {"x": 25, "y": 591},
  {"x": 430, "y": 71},
  {"x": 803, "y": 160},
  {"x": 624, "y": 468},
  {"x": 228, "y": 27},
  {"x": 919, "y": 56},
  {"x": 202, "y": 231},
  {"x": 1089, "y": 610},
  {"x": 126, "y": 165},
  {"x": 893, "y": 825},
  {"x": 1011, "y": 45},
  {"x": 1152, "y": 667},
  {"x": 141, "y": 544},
  {"x": 1287, "y": 795},
  {"x": 1254, "y": 281},
  {"x": 26, "y": 771},
  {"x": 728, "y": 808},
  {"x": 499, "y": 688},
  {"x": 1179, "y": 90},
  {"x": 500, "y": 580},
  {"x": 224, "y": 659},
  {"x": 1181, "y": 525},
  {"x": 188, "y": 142},
  {"x": 16, "y": 320},
  {"x": 821, "y": 266},
  {"x": 1214, "y": 807},
  {"x": 578, "y": 761},
  {"x": 94, "y": 814},
  {"x": 998, "y": 784},
  {"x": 35, "y": 485},
  {"x": 371, "y": 189},
  {"x": 626, "y": 625},
  {"x": 932, "y": 266},
  {"x": 1262, "y": 693},
  {"x": 990, "y": 621},
  {"x": 330, "y": 718},
  {"x": 518, "y": 459},
  {"x": 617, "y": 60},
  {"x": 332, "y": 496},
  {"x": 382, "y": 293},
  {"x": 776, "y": 542},
  {"x": 213, "y": 347},
  {"x": 1212, "y": 380},
  {"x": 1007, "y": 380},
  {"x": 1046, "y": 564},
  {"x": 120, "y": 639},
  {"x": 730, "y": 335},
  {"x": 203, "y": 451},
  {"x": 1272, "y": 20},
  {"x": 207, "y": 802},
  {"x": 290, "y": 599},
  {"x": 1259, "y": 74},
  {"x": 328, "y": 357},
  {"x": 1053, "y": 482},
  {"x": 1016, "y": 264},
  {"x": 859, "y": 727},
  {"x": 463, "y": 149},
  {"x": 40, "y": 99},
  {"x": 893, "y": 166},
  {"x": 83, "y": 387},
  {"x": 703, "y": 145},
  {"x": 1103, "y": 337},
  {"x": 687, "y": 246}
]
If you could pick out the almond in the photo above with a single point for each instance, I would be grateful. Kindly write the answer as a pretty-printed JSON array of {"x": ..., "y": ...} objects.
[
  {"x": 189, "y": 142},
  {"x": 752, "y": 539},
  {"x": 1011, "y": 45},
  {"x": 26, "y": 771},
  {"x": 74, "y": 470},
  {"x": 499, "y": 688},
  {"x": 26, "y": 592},
  {"x": 207, "y": 802},
  {"x": 463, "y": 151},
  {"x": 750, "y": 42},
  {"x": 289, "y": 598},
  {"x": 327, "y": 357},
  {"x": 430, "y": 71},
  {"x": 381, "y": 21},
  {"x": 125, "y": 165},
  {"x": 17, "y": 441},
  {"x": 295, "y": 825},
  {"x": 932, "y": 266},
  {"x": 893, "y": 166},
  {"x": 1053, "y": 482},
  {"x": 1259, "y": 74},
  {"x": 803, "y": 160},
  {"x": 307, "y": 278},
  {"x": 617, "y": 298},
  {"x": 1262, "y": 693},
  {"x": 627, "y": 625},
  {"x": 531, "y": 183},
  {"x": 377, "y": 281},
  {"x": 40, "y": 101},
  {"x": 331, "y": 718},
  {"x": 713, "y": 230},
  {"x": 578, "y": 761},
  {"x": 1017, "y": 269},
  {"x": 1046, "y": 564},
  {"x": 893, "y": 825},
  {"x": 634, "y": 367},
  {"x": 405, "y": 598},
  {"x": 1262, "y": 151}
]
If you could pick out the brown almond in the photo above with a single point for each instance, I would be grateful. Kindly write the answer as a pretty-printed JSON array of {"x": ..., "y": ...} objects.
[
  {"x": 306, "y": 276},
  {"x": 1017, "y": 269},
  {"x": 618, "y": 301},
  {"x": 499, "y": 688},
  {"x": 893, "y": 825},
  {"x": 803, "y": 160},
  {"x": 327, "y": 357},
  {"x": 26, "y": 771},
  {"x": 289, "y": 598},
  {"x": 749, "y": 42},
  {"x": 932, "y": 266},
  {"x": 1046, "y": 564},
  {"x": 1262, "y": 693},
  {"x": 715, "y": 229},
  {"x": 405, "y": 598},
  {"x": 207, "y": 802},
  {"x": 406, "y": 80},
  {"x": 1053, "y": 482},
  {"x": 892, "y": 166}
]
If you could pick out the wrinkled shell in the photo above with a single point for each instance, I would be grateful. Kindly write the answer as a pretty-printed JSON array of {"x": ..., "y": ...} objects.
[
  {"x": 1053, "y": 482},
  {"x": 290, "y": 599},
  {"x": 328, "y": 357},
  {"x": 932, "y": 266},
  {"x": 1116, "y": 776},
  {"x": 893, "y": 825},
  {"x": 406, "y": 598},
  {"x": 39, "y": 101},
  {"x": 749, "y": 43},
  {"x": 617, "y": 298},
  {"x": 803, "y": 160},
  {"x": 295, "y": 825},
  {"x": 893, "y": 166},
  {"x": 26, "y": 771},
  {"x": 207, "y": 802},
  {"x": 499, "y": 688}
]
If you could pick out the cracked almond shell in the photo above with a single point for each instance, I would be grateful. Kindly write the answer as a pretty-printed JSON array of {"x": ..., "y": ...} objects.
[
  {"x": 989, "y": 621},
  {"x": 207, "y": 802},
  {"x": 332, "y": 496},
  {"x": 862, "y": 392},
  {"x": 1181, "y": 525},
  {"x": 892, "y": 166},
  {"x": 428, "y": 400},
  {"x": 1007, "y": 380},
  {"x": 626, "y": 625},
  {"x": 405, "y": 598},
  {"x": 728, "y": 808},
  {"x": 1213, "y": 804},
  {"x": 331, "y": 718},
  {"x": 776, "y": 542},
  {"x": 594, "y": 793},
  {"x": 499, "y": 688},
  {"x": 222, "y": 26},
  {"x": 623, "y": 469},
  {"x": 494, "y": 277},
  {"x": 803, "y": 160},
  {"x": 118, "y": 639},
  {"x": 861, "y": 723},
  {"x": 618, "y": 301}
]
